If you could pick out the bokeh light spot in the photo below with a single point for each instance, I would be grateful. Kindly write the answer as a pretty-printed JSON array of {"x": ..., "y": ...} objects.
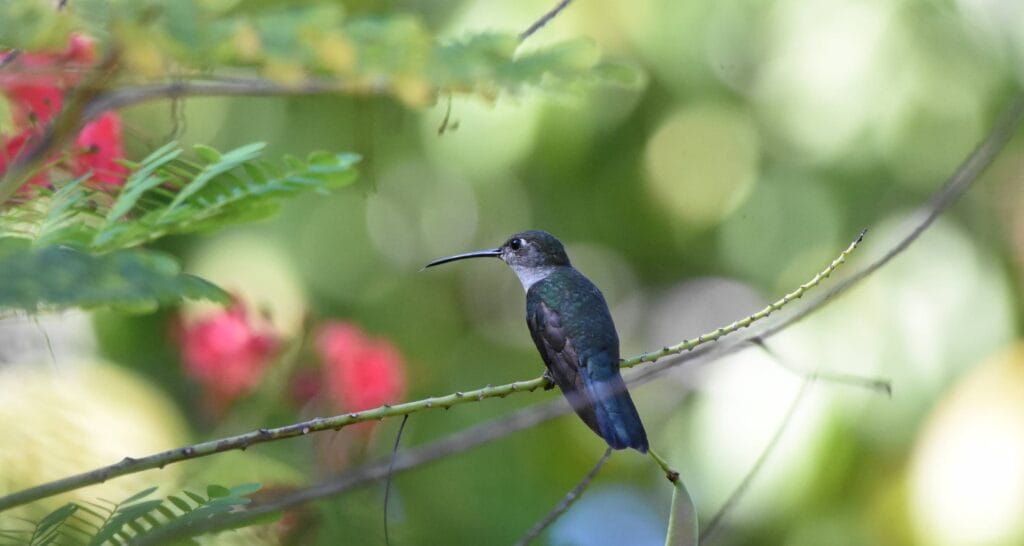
[
  {"x": 702, "y": 162},
  {"x": 967, "y": 475}
]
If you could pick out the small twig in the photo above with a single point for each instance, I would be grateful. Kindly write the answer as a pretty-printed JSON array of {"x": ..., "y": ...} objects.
[
  {"x": 447, "y": 117},
  {"x": 544, "y": 19},
  {"x": 9, "y": 57},
  {"x": 46, "y": 338},
  {"x": 250, "y": 87},
  {"x": 741, "y": 489},
  {"x": 670, "y": 473},
  {"x": 387, "y": 483},
  {"x": 869, "y": 383},
  {"x": 565, "y": 503}
]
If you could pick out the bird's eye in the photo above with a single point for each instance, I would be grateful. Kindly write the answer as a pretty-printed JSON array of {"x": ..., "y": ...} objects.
[{"x": 516, "y": 244}]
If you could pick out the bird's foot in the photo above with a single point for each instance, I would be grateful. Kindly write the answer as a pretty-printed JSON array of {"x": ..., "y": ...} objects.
[{"x": 549, "y": 382}]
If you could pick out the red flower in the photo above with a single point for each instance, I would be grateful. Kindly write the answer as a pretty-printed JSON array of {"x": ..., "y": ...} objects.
[
  {"x": 226, "y": 354},
  {"x": 360, "y": 372},
  {"x": 35, "y": 82},
  {"x": 34, "y": 85},
  {"x": 34, "y": 105},
  {"x": 98, "y": 149}
]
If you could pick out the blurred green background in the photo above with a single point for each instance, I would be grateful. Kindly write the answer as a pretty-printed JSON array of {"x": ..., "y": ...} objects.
[{"x": 765, "y": 135}]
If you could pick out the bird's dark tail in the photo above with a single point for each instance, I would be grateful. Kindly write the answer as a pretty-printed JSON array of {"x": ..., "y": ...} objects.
[{"x": 617, "y": 419}]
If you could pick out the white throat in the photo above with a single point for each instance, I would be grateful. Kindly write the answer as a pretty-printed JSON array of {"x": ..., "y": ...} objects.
[{"x": 531, "y": 275}]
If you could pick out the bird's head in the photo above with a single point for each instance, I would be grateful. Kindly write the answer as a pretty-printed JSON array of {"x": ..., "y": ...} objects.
[{"x": 525, "y": 250}]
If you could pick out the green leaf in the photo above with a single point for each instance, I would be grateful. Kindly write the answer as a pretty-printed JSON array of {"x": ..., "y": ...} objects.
[
  {"x": 135, "y": 519},
  {"x": 217, "y": 491},
  {"x": 245, "y": 489},
  {"x": 207, "y": 153},
  {"x": 223, "y": 164},
  {"x": 142, "y": 180},
  {"x": 46, "y": 530},
  {"x": 125, "y": 516},
  {"x": 683, "y": 529},
  {"x": 61, "y": 212},
  {"x": 140, "y": 495},
  {"x": 61, "y": 277},
  {"x": 180, "y": 504}
]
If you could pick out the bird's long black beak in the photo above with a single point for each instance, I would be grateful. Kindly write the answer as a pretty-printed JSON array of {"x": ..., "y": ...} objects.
[{"x": 489, "y": 253}]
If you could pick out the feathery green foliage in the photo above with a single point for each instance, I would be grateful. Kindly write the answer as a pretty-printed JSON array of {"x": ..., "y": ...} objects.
[
  {"x": 54, "y": 277},
  {"x": 72, "y": 247},
  {"x": 104, "y": 523},
  {"x": 166, "y": 194}
]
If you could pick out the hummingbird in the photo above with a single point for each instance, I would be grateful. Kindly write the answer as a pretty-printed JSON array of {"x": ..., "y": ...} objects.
[{"x": 574, "y": 333}]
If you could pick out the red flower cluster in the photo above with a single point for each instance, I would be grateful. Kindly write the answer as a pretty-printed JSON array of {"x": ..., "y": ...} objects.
[
  {"x": 227, "y": 354},
  {"x": 360, "y": 372},
  {"x": 34, "y": 85}
]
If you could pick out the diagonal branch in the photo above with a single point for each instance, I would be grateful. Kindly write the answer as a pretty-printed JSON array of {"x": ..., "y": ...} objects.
[
  {"x": 92, "y": 99},
  {"x": 712, "y": 526},
  {"x": 222, "y": 87},
  {"x": 544, "y": 19},
  {"x": 242, "y": 441},
  {"x": 971, "y": 169},
  {"x": 565, "y": 503}
]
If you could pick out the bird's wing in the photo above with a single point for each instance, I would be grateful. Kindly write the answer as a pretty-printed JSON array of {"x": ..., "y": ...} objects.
[{"x": 562, "y": 360}]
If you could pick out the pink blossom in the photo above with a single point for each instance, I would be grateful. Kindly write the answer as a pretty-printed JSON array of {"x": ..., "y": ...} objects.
[
  {"x": 226, "y": 354},
  {"x": 35, "y": 82},
  {"x": 360, "y": 372},
  {"x": 34, "y": 85},
  {"x": 98, "y": 149}
]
